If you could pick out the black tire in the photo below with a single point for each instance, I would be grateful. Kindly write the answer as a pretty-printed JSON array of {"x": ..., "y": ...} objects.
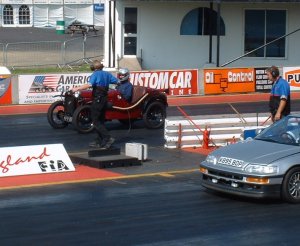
[
  {"x": 154, "y": 115},
  {"x": 82, "y": 119},
  {"x": 290, "y": 190},
  {"x": 55, "y": 115}
]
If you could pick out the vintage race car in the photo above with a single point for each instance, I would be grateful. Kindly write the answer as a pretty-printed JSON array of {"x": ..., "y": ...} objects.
[
  {"x": 266, "y": 166},
  {"x": 146, "y": 104}
]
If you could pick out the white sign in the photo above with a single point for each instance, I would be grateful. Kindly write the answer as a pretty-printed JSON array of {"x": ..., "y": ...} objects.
[
  {"x": 292, "y": 75},
  {"x": 34, "y": 159},
  {"x": 35, "y": 89},
  {"x": 16, "y": 1},
  {"x": 78, "y": 2}
]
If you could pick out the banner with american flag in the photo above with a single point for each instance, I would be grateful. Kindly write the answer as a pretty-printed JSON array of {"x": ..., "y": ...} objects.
[{"x": 34, "y": 89}]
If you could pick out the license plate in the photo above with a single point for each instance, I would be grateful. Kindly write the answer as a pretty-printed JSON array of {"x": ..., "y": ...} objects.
[{"x": 230, "y": 162}]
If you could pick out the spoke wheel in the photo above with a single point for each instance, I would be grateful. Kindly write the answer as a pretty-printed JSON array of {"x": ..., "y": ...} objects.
[
  {"x": 154, "y": 115},
  {"x": 82, "y": 119},
  {"x": 55, "y": 115},
  {"x": 291, "y": 186}
]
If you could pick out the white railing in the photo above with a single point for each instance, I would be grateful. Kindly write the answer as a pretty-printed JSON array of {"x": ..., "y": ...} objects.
[{"x": 182, "y": 132}]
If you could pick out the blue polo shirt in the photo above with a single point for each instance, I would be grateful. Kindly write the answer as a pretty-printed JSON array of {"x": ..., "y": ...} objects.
[
  {"x": 280, "y": 90},
  {"x": 102, "y": 78}
]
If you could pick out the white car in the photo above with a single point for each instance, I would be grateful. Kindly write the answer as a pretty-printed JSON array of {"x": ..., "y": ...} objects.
[{"x": 266, "y": 166}]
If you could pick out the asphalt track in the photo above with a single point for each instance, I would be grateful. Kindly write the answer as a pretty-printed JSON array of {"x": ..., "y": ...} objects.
[
  {"x": 169, "y": 160},
  {"x": 160, "y": 203}
]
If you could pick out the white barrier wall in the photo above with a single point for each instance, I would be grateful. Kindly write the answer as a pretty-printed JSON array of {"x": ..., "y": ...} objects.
[{"x": 181, "y": 132}]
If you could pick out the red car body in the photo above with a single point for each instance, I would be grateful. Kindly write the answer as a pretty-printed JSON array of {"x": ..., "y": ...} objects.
[{"x": 147, "y": 104}]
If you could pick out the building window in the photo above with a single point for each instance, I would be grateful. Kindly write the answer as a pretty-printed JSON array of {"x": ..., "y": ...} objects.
[
  {"x": 262, "y": 27},
  {"x": 201, "y": 21},
  {"x": 24, "y": 15},
  {"x": 130, "y": 31},
  {"x": 8, "y": 15}
]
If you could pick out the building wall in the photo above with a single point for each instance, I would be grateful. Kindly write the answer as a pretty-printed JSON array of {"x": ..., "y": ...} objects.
[{"x": 162, "y": 47}]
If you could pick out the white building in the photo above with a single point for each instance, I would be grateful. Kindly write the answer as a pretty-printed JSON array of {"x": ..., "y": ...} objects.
[
  {"x": 184, "y": 34},
  {"x": 45, "y": 13}
]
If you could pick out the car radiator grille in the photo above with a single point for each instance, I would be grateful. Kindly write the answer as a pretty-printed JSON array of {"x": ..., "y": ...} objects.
[{"x": 226, "y": 175}]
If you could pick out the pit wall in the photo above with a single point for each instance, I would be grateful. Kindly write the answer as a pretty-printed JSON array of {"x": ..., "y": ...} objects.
[{"x": 41, "y": 88}]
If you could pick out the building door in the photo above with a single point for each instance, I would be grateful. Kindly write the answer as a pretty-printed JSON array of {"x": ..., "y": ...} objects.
[{"x": 130, "y": 31}]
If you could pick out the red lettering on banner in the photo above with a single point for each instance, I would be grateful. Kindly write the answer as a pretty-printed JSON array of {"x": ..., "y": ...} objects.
[
  {"x": 8, "y": 162},
  {"x": 181, "y": 82}
]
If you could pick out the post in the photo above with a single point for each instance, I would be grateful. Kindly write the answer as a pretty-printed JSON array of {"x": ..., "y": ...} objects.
[
  {"x": 179, "y": 136},
  {"x": 206, "y": 134}
]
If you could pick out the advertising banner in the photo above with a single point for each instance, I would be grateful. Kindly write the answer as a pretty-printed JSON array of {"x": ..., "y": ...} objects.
[
  {"x": 78, "y": 1},
  {"x": 35, "y": 89},
  {"x": 5, "y": 86},
  {"x": 229, "y": 80},
  {"x": 16, "y": 1},
  {"x": 292, "y": 75},
  {"x": 262, "y": 83},
  {"x": 34, "y": 159},
  {"x": 177, "y": 82}
]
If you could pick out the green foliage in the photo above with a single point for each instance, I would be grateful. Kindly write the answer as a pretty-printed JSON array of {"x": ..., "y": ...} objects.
[{"x": 45, "y": 70}]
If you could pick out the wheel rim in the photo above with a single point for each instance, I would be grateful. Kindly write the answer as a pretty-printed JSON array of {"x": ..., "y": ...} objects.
[
  {"x": 294, "y": 185},
  {"x": 58, "y": 115},
  {"x": 155, "y": 116},
  {"x": 84, "y": 119}
]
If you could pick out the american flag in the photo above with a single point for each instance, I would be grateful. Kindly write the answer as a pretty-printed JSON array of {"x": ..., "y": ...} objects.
[{"x": 49, "y": 80}]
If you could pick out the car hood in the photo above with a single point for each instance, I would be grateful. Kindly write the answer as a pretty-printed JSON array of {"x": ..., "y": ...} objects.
[{"x": 257, "y": 151}]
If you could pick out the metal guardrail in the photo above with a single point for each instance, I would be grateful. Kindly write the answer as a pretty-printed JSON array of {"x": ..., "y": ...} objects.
[
  {"x": 180, "y": 132},
  {"x": 52, "y": 53}
]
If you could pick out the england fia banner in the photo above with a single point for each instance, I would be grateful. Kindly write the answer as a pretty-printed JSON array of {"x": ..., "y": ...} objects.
[{"x": 34, "y": 159}]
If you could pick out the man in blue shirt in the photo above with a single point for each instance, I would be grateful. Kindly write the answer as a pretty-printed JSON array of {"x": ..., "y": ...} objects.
[
  {"x": 280, "y": 98},
  {"x": 99, "y": 81},
  {"x": 125, "y": 87}
]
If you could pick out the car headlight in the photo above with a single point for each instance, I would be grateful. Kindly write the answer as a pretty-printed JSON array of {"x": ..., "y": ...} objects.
[
  {"x": 211, "y": 159},
  {"x": 77, "y": 94},
  {"x": 261, "y": 169}
]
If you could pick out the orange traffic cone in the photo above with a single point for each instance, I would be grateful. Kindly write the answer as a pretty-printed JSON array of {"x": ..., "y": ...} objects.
[{"x": 206, "y": 134}]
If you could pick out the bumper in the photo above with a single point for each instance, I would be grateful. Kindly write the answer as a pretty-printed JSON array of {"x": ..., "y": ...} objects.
[{"x": 236, "y": 186}]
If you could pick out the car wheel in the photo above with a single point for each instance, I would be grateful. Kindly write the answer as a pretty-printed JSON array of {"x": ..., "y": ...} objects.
[
  {"x": 154, "y": 115},
  {"x": 291, "y": 186},
  {"x": 55, "y": 115},
  {"x": 82, "y": 119}
]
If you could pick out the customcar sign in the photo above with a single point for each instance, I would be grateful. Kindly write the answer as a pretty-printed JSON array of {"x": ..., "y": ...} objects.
[
  {"x": 292, "y": 75},
  {"x": 177, "y": 82},
  {"x": 229, "y": 80}
]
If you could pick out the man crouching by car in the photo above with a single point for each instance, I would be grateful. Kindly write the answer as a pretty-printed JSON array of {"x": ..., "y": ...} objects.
[{"x": 99, "y": 81}]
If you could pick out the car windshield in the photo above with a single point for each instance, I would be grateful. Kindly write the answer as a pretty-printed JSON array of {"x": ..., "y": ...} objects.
[{"x": 284, "y": 131}]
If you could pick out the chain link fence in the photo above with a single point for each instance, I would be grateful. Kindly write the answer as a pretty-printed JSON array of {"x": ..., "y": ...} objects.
[{"x": 72, "y": 52}]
